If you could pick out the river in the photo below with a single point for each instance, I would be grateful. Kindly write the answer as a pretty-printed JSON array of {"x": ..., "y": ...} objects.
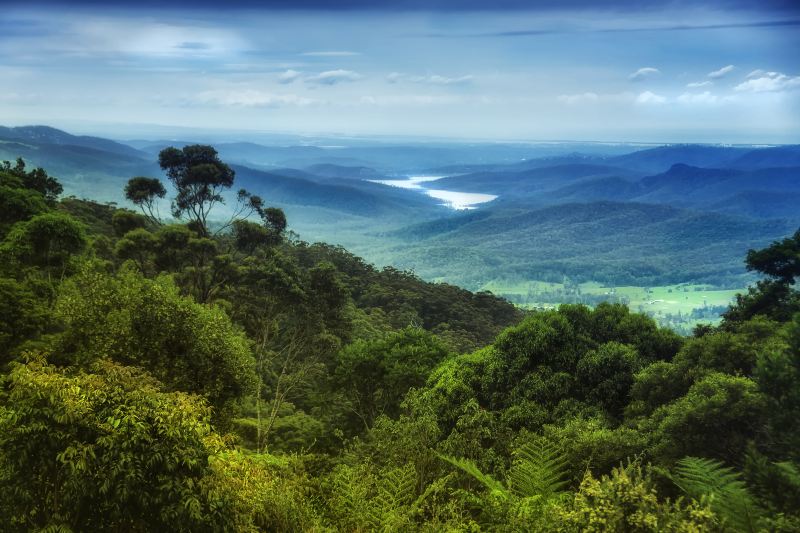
[{"x": 452, "y": 199}]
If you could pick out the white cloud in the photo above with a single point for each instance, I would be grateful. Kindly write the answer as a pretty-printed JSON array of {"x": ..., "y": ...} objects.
[
  {"x": 430, "y": 79},
  {"x": 717, "y": 74},
  {"x": 698, "y": 84},
  {"x": 414, "y": 100},
  {"x": 761, "y": 82},
  {"x": 578, "y": 98},
  {"x": 698, "y": 98},
  {"x": 288, "y": 76},
  {"x": 332, "y": 77},
  {"x": 648, "y": 97},
  {"x": 250, "y": 98},
  {"x": 757, "y": 73},
  {"x": 20, "y": 98},
  {"x": 644, "y": 73},
  {"x": 331, "y": 53},
  {"x": 100, "y": 36},
  {"x": 435, "y": 79}
]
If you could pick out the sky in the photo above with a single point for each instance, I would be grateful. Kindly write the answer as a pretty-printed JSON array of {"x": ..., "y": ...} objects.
[{"x": 675, "y": 71}]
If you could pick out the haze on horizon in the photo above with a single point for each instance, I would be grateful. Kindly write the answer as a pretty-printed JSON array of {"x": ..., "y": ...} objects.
[{"x": 711, "y": 71}]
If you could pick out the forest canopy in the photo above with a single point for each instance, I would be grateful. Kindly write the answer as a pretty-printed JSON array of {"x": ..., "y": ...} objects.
[{"x": 172, "y": 374}]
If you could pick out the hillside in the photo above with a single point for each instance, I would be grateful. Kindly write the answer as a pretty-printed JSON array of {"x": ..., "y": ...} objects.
[
  {"x": 288, "y": 386},
  {"x": 521, "y": 234},
  {"x": 612, "y": 242}
]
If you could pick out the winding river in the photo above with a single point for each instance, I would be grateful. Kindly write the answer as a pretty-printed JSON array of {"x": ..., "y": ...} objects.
[{"x": 451, "y": 199}]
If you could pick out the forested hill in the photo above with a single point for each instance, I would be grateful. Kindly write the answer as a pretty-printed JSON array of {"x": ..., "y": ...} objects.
[{"x": 185, "y": 375}]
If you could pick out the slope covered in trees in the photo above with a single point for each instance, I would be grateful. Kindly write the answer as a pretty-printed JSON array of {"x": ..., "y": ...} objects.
[{"x": 198, "y": 377}]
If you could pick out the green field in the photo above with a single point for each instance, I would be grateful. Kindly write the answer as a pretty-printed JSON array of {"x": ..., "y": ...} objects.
[{"x": 680, "y": 306}]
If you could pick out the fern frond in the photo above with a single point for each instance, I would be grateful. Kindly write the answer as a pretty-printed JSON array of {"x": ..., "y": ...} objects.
[
  {"x": 722, "y": 487},
  {"x": 539, "y": 469},
  {"x": 394, "y": 492},
  {"x": 472, "y": 469},
  {"x": 790, "y": 472},
  {"x": 397, "y": 487}
]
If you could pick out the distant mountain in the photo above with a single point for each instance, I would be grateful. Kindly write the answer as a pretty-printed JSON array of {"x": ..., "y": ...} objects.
[
  {"x": 613, "y": 242},
  {"x": 47, "y": 135},
  {"x": 526, "y": 182},
  {"x": 684, "y": 185},
  {"x": 653, "y": 160},
  {"x": 680, "y": 186},
  {"x": 762, "y": 204},
  {"x": 662, "y": 158},
  {"x": 525, "y": 164},
  {"x": 347, "y": 172},
  {"x": 358, "y": 198},
  {"x": 87, "y": 166},
  {"x": 673, "y": 213},
  {"x": 777, "y": 156}
]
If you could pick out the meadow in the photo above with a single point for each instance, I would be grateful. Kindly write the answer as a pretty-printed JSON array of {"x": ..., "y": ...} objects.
[{"x": 682, "y": 306}]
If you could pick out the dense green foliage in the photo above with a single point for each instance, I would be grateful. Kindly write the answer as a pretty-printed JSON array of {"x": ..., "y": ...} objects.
[{"x": 163, "y": 377}]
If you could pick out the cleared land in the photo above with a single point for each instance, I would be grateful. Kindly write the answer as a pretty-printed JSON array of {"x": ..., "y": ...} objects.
[{"x": 681, "y": 306}]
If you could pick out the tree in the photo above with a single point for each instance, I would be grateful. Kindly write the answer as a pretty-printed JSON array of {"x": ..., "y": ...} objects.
[
  {"x": 137, "y": 245},
  {"x": 248, "y": 236},
  {"x": 199, "y": 177},
  {"x": 22, "y": 316},
  {"x": 716, "y": 418},
  {"x": 376, "y": 375},
  {"x": 124, "y": 221},
  {"x": 46, "y": 241},
  {"x": 606, "y": 375},
  {"x": 776, "y": 296},
  {"x": 36, "y": 179},
  {"x": 108, "y": 449},
  {"x": 144, "y": 192},
  {"x": 18, "y": 204},
  {"x": 780, "y": 260},
  {"x": 143, "y": 322}
]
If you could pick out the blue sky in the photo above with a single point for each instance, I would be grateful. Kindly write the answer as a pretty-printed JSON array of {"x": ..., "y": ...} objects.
[{"x": 577, "y": 70}]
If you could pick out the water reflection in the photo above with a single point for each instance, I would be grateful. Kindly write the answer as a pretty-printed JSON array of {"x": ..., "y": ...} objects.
[{"x": 451, "y": 199}]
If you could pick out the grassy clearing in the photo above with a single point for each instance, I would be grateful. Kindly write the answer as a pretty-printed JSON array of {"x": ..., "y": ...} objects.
[{"x": 681, "y": 306}]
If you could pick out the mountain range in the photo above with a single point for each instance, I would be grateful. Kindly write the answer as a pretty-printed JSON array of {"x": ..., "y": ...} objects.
[{"x": 620, "y": 213}]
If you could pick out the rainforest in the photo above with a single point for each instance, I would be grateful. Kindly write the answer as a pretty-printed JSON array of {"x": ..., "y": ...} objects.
[
  {"x": 408, "y": 266},
  {"x": 175, "y": 376}
]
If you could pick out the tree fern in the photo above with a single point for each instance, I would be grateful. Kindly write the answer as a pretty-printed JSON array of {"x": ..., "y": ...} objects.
[
  {"x": 472, "y": 469},
  {"x": 539, "y": 469},
  {"x": 397, "y": 488},
  {"x": 722, "y": 487},
  {"x": 395, "y": 493}
]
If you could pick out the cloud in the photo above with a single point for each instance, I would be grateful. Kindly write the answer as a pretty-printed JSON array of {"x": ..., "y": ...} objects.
[
  {"x": 757, "y": 73},
  {"x": 617, "y": 28},
  {"x": 761, "y": 82},
  {"x": 648, "y": 97},
  {"x": 698, "y": 98},
  {"x": 571, "y": 99},
  {"x": 717, "y": 74},
  {"x": 332, "y": 77},
  {"x": 430, "y": 79},
  {"x": 644, "y": 73},
  {"x": 193, "y": 45},
  {"x": 698, "y": 84},
  {"x": 414, "y": 100},
  {"x": 250, "y": 98},
  {"x": 331, "y": 53},
  {"x": 288, "y": 76}
]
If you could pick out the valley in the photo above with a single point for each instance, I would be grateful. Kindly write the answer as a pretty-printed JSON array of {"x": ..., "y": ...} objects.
[{"x": 641, "y": 220}]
